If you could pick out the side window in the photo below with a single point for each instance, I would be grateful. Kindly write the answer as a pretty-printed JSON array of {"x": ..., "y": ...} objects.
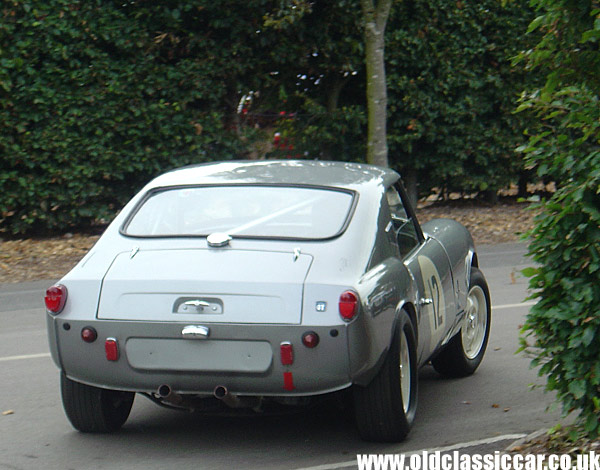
[
  {"x": 404, "y": 226},
  {"x": 386, "y": 245}
]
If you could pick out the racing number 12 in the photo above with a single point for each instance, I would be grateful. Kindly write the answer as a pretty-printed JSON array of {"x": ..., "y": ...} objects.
[{"x": 434, "y": 289}]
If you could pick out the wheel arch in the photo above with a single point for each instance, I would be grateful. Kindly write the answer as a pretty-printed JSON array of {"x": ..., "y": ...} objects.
[
  {"x": 381, "y": 411},
  {"x": 471, "y": 261},
  {"x": 406, "y": 308},
  {"x": 403, "y": 309}
]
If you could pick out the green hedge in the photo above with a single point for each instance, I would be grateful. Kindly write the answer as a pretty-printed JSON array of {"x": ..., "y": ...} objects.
[
  {"x": 564, "y": 326},
  {"x": 562, "y": 330},
  {"x": 94, "y": 100},
  {"x": 98, "y": 96},
  {"x": 453, "y": 89}
]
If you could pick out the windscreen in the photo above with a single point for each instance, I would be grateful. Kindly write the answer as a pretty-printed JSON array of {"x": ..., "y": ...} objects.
[{"x": 243, "y": 211}]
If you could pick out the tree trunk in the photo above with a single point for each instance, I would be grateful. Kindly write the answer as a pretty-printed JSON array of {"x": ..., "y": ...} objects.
[{"x": 375, "y": 14}]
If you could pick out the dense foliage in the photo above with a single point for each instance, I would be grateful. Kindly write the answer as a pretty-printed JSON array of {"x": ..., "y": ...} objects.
[
  {"x": 451, "y": 94},
  {"x": 98, "y": 96},
  {"x": 453, "y": 91},
  {"x": 564, "y": 326}
]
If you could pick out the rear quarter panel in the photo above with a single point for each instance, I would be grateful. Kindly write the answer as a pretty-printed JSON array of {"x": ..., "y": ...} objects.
[{"x": 384, "y": 291}]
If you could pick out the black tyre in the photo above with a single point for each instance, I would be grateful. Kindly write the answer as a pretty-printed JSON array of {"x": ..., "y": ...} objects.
[
  {"x": 463, "y": 353},
  {"x": 93, "y": 409},
  {"x": 385, "y": 409}
]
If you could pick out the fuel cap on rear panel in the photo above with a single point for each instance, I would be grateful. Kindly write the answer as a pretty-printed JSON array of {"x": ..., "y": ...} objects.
[{"x": 218, "y": 239}]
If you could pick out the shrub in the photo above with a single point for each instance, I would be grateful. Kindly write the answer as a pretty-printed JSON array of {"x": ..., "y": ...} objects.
[
  {"x": 563, "y": 328},
  {"x": 96, "y": 98}
]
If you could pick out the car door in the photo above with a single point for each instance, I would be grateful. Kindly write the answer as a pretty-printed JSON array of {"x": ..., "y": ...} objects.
[{"x": 429, "y": 265}]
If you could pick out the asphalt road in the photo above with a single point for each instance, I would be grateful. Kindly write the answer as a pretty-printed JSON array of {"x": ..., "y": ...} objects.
[{"x": 491, "y": 407}]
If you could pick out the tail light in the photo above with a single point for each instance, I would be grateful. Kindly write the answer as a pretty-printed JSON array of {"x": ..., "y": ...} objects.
[
  {"x": 348, "y": 305},
  {"x": 55, "y": 299},
  {"x": 111, "y": 347},
  {"x": 310, "y": 339},
  {"x": 88, "y": 334},
  {"x": 287, "y": 353}
]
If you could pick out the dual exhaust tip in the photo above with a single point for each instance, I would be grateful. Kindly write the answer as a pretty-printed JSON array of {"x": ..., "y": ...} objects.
[{"x": 220, "y": 392}]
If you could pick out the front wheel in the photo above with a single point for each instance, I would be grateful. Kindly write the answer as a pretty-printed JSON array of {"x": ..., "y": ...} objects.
[
  {"x": 464, "y": 352},
  {"x": 385, "y": 409},
  {"x": 93, "y": 409}
]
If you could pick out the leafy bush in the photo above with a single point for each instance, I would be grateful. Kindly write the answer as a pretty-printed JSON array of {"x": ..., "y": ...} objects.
[
  {"x": 452, "y": 91},
  {"x": 336, "y": 135},
  {"x": 564, "y": 325},
  {"x": 97, "y": 97}
]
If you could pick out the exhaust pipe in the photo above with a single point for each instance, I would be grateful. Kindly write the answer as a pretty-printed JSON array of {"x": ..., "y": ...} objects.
[
  {"x": 167, "y": 394},
  {"x": 221, "y": 393}
]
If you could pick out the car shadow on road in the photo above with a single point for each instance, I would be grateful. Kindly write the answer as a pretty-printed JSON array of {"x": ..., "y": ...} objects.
[{"x": 326, "y": 430}]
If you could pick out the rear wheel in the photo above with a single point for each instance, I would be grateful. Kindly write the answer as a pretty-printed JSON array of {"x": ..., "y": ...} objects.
[
  {"x": 93, "y": 409},
  {"x": 385, "y": 409},
  {"x": 465, "y": 351}
]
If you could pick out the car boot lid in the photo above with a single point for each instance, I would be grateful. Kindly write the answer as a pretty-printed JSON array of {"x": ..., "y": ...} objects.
[{"x": 205, "y": 285}]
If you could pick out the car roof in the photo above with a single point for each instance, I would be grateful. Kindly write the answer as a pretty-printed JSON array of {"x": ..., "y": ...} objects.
[{"x": 354, "y": 176}]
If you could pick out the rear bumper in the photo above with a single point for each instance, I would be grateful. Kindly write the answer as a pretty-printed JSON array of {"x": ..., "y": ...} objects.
[{"x": 243, "y": 358}]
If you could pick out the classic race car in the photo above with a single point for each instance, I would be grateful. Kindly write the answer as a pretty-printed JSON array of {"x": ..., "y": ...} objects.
[{"x": 268, "y": 283}]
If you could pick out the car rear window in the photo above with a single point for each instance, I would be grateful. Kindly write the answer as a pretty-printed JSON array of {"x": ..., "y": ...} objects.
[{"x": 242, "y": 211}]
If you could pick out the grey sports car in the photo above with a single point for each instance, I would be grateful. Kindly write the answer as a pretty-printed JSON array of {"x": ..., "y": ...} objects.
[{"x": 268, "y": 284}]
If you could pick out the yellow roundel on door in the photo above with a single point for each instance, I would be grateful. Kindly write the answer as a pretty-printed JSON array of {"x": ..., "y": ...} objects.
[{"x": 433, "y": 298}]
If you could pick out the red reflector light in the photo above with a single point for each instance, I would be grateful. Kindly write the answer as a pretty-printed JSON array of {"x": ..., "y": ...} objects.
[
  {"x": 55, "y": 299},
  {"x": 288, "y": 381},
  {"x": 88, "y": 334},
  {"x": 112, "y": 349},
  {"x": 348, "y": 305},
  {"x": 287, "y": 354},
  {"x": 310, "y": 339}
]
